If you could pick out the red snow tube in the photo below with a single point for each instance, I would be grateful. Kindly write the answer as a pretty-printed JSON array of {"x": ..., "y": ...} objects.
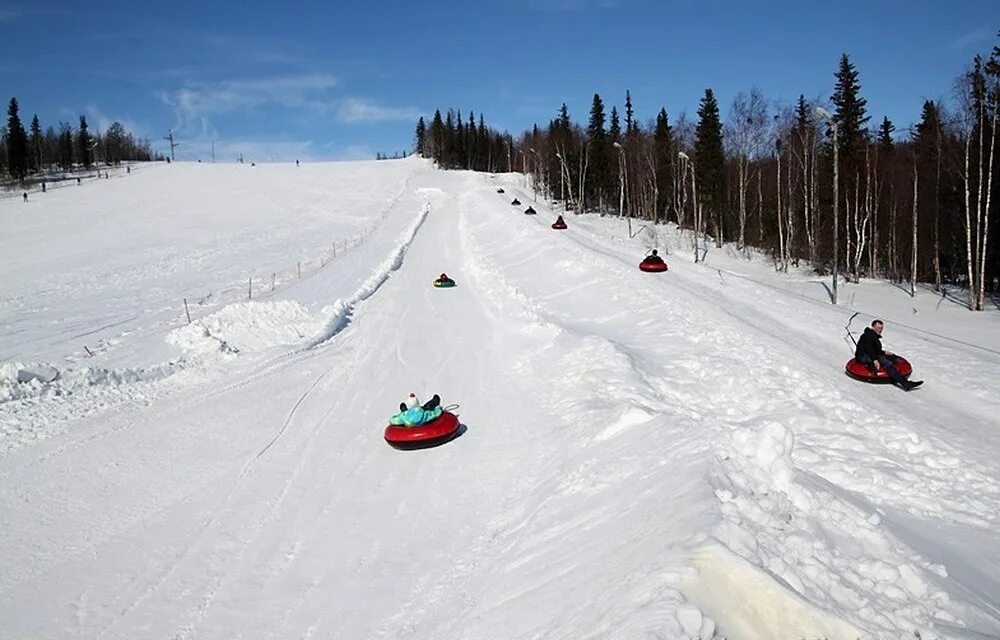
[
  {"x": 557, "y": 225},
  {"x": 860, "y": 371},
  {"x": 652, "y": 267},
  {"x": 437, "y": 431}
]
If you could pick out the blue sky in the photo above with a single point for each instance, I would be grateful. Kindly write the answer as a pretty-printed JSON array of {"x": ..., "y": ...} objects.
[{"x": 340, "y": 80}]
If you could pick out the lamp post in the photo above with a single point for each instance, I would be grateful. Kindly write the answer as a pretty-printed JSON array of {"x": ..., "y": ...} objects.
[
  {"x": 694, "y": 200},
  {"x": 823, "y": 113}
]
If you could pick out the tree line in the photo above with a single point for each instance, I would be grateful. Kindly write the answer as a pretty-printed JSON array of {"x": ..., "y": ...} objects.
[
  {"x": 25, "y": 152},
  {"x": 816, "y": 180},
  {"x": 456, "y": 144}
]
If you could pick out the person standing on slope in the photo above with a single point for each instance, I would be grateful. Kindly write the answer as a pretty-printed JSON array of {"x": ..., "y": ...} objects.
[{"x": 869, "y": 351}]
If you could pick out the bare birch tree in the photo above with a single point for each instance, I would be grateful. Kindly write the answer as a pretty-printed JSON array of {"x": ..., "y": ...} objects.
[{"x": 746, "y": 137}]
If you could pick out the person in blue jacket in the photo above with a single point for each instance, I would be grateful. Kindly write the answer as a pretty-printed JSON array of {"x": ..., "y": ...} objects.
[{"x": 413, "y": 414}]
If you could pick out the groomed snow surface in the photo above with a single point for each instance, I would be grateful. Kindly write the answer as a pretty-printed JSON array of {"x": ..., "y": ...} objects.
[{"x": 674, "y": 455}]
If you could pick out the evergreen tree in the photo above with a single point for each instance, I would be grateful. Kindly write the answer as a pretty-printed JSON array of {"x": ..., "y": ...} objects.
[
  {"x": 598, "y": 149},
  {"x": 564, "y": 121},
  {"x": 65, "y": 145},
  {"x": 83, "y": 142},
  {"x": 37, "y": 144},
  {"x": 885, "y": 133},
  {"x": 630, "y": 124},
  {"x": 483, "y": 151},
  {"x": 710, "y": 161},
  {"x": 850, "y": 115},
  {"x": 663, "y": 145},
  {"x": 437, "y": 136},
  {"x": 803, "y": 118},
  {"x": 471, "y": 142},
  {"x": 448, "y": 154},
  {"x": 421, "y": 134},
  {"x": 927, "y": 139},
  {"x": 459, "y": 160},
  {"x": 17, "y": 143},
  {"x": 615, "y": 130}
]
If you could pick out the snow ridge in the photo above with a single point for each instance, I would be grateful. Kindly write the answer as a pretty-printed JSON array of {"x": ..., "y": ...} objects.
[{"x": 340, "y": 312}]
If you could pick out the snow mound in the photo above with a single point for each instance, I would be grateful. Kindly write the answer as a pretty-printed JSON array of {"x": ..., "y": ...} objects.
[
  {"x": 246, "y": 327},
  {"x": 810, "y": 547},
  {"x": 768, "y": 452},
  {"x": 35, "y": 409},
  {"x": 20, "y": 381},
  {"x": 749, "y": 603}
]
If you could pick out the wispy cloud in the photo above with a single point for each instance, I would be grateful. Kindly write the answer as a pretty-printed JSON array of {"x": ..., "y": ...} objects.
[
  {"x": 12, "y": 13},
  {"x": 255, "y": 48},
  {"x": 972, "y": 37},
  {"x": 353, "y": 110},
  {"x": 573, "y": 5},
  {"x": 195, "y": 103},
  {"x": 233, "y": 95}
]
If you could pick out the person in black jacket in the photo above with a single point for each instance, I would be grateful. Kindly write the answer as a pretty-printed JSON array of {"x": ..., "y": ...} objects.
[
  {"x": 869, "y": 351},
  {"x": 653, "y": 258}
]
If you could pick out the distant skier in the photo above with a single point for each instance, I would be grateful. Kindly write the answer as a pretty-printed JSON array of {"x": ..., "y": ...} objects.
[
  {"x": 25, "y": 196},
  {"x": 869, "y": 352}
]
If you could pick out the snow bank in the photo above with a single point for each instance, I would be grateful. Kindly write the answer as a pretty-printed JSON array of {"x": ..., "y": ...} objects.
[
  {"x": 246, "y": 327},
  {"x": 749, "y": 602},
  {"x": 817, "y": 545},
  {"x": 36, "y": 409}
]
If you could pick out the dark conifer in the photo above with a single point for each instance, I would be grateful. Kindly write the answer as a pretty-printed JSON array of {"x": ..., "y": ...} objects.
[
  {"x": 598, "y": 149},
  {"x": 421, "y": 134},
  {"x": 710, "y": 161},
  {"x": 850, "y": 114},
  {"x": 663, "y": 145},
  {"x": 17, "y": 143},
  {"x": 83, "y": 142},
  {"x": 36, "y": 144}
]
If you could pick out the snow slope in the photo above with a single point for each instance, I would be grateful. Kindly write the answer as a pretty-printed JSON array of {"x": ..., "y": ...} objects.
[{"x": 674, "y": 455}]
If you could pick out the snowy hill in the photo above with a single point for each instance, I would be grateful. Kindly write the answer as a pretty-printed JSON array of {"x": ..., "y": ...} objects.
[{"x": 674, "y": 455}]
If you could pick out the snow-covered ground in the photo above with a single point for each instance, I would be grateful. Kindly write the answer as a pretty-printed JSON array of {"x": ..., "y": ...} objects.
[{"x": 645, "y": 455}]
